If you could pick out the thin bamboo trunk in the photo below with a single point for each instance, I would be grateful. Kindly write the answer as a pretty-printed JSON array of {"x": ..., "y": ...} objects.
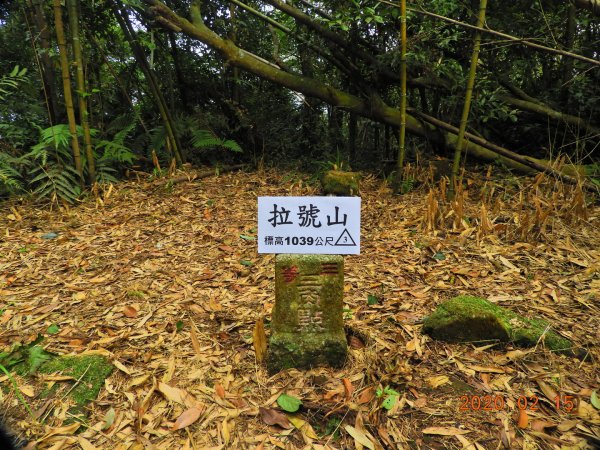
[
  {"x": 468, "y": 95},
  {"x": 402, "y": 131},
  {"x": 172, "y": 142},
  {"x": 81, "y": 89},
  {"x": 47, "y": 69},
  {"x": 567, "y": 68},
  {"x": 64, "y": 66},
  {"x": 120, "y": 83},
  {"x": 235, "y": 71}
]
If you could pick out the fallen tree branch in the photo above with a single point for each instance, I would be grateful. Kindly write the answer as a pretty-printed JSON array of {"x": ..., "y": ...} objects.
[
  {"x": 534, "y": 163},
  {"x": 192, "y": 176}
]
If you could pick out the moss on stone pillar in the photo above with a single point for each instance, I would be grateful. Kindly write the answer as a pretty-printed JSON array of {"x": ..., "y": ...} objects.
[{"x": 307, "y": 329}]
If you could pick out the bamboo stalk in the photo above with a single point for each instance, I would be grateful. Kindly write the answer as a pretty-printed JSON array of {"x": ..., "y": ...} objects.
[
  {"x": 66, "y": 78},
  {"x": 468, "y": 95},
  {"x": 81, "y": 89},
  {"x": 402, "y": 130}
]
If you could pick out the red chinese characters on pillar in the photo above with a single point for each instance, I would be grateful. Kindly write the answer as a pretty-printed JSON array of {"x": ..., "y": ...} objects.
[{"x": 290, "y": 273}]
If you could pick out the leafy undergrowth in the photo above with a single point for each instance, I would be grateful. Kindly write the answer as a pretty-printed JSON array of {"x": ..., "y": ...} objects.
[{"x": 164, "y": 280}]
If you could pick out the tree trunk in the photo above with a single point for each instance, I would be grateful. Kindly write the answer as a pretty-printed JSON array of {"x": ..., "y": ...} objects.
[
  {"x": 64, "y": 66},
  {"x": 467, "y": 105},
  {"x": 81, "y": 89}
]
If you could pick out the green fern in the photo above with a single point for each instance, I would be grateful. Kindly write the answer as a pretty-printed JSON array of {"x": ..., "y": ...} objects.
[
  {"x": 53, "y": 175},
  {"x": 56, "y": 182},
  {"x": 208, "y": 139},
  {"x": 105, "y": 174},
  {"x": 54, "y": 139},
  {"x": 11, "y": 81}
]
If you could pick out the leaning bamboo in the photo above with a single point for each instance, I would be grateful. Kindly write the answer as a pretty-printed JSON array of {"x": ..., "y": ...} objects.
[{"x": 468, "y": 95}]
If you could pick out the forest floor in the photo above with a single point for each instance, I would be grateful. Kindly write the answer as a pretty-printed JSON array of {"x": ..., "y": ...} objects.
[{"x": 165, "y": 281}]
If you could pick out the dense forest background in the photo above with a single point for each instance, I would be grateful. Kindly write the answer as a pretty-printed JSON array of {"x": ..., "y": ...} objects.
[{"x": 91, "y": 90}]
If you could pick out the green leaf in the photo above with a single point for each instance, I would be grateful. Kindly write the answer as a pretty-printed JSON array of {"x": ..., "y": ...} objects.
[
  {"x": 390, "y": 391},
  {"x": 439, "y": 256},
  {"x": 109, "y": 419},
  {"x": 289, "y": 403},
  {"x": 247, "y": 238},
  {"x": 37, "y": 357},
  {"x": 372, "y": 300},
  {"x": 53, "y": 329},
  {"x": 245, "y": 262},
  {"x": 595, "y": 400},
  {"x": 389, "y": 402},
  {"x": 179, "y": 325}
]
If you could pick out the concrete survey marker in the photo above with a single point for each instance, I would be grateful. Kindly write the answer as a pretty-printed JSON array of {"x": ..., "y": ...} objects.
[{"x": 307, "y": 328}]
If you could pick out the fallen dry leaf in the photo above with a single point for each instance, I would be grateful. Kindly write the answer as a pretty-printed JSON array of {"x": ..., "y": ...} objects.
[
  {"x": 348, "y": 388},
  {"x": 220, "y": 390},
  {"x": 259, "y": 340},
  {"x": 177, "y": 395},
  {"x": 271, "y": 416},
  {"x": 522, "y": 419},
  {"x": 130, "y": 311},
  {"x": 85, "y": 444},
  {"x": 437, "y": 381},
  {"x": 548, "y": 391},
  {"x": 188, "y": 417},
  {"x": 305, "y": 428},
  {"x": 359, "y": 437},
  {"x": 194, "y": 338},
  {"x": 366, "y": 395},
  {"x": 541, "y": 425},
  {"x": 444, "y": 431},
  {"x": 355, "y": 342}
]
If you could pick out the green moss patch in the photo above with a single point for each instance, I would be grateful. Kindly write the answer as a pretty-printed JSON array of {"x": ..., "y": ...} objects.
[
  {"x": 338, "y": 182},
  {"x": 89, "y": 372},
  {"x": 303, "y": 351},
  {"x": 472, "y": 319}
]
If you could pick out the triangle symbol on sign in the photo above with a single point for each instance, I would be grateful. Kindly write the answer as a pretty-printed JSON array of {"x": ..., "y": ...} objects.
[{"x": 345, "y": 239}]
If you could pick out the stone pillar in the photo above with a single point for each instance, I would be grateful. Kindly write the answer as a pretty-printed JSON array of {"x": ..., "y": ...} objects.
[{"x": 307, "y": 327}]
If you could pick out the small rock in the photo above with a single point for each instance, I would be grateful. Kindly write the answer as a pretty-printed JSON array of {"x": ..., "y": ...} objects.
[{"x": 338, "y": 182}]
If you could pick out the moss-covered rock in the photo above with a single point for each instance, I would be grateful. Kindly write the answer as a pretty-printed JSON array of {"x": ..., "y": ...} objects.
[
  {"x": 471, "y": 319},
  {"x": 307, "y": 326},
  {"x": 338, "y": 182}
]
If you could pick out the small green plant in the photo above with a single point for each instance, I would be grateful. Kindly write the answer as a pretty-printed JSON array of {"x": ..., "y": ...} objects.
[
  {"x": 390, "y": 397},
  {"x": 333, "y": 428},
  {"x": 338, "y": 163},
  {"x": 406, "y": 185}
]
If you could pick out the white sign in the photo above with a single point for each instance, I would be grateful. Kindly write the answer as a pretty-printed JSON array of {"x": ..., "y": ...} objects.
[{"x": 314, "y": 225}]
